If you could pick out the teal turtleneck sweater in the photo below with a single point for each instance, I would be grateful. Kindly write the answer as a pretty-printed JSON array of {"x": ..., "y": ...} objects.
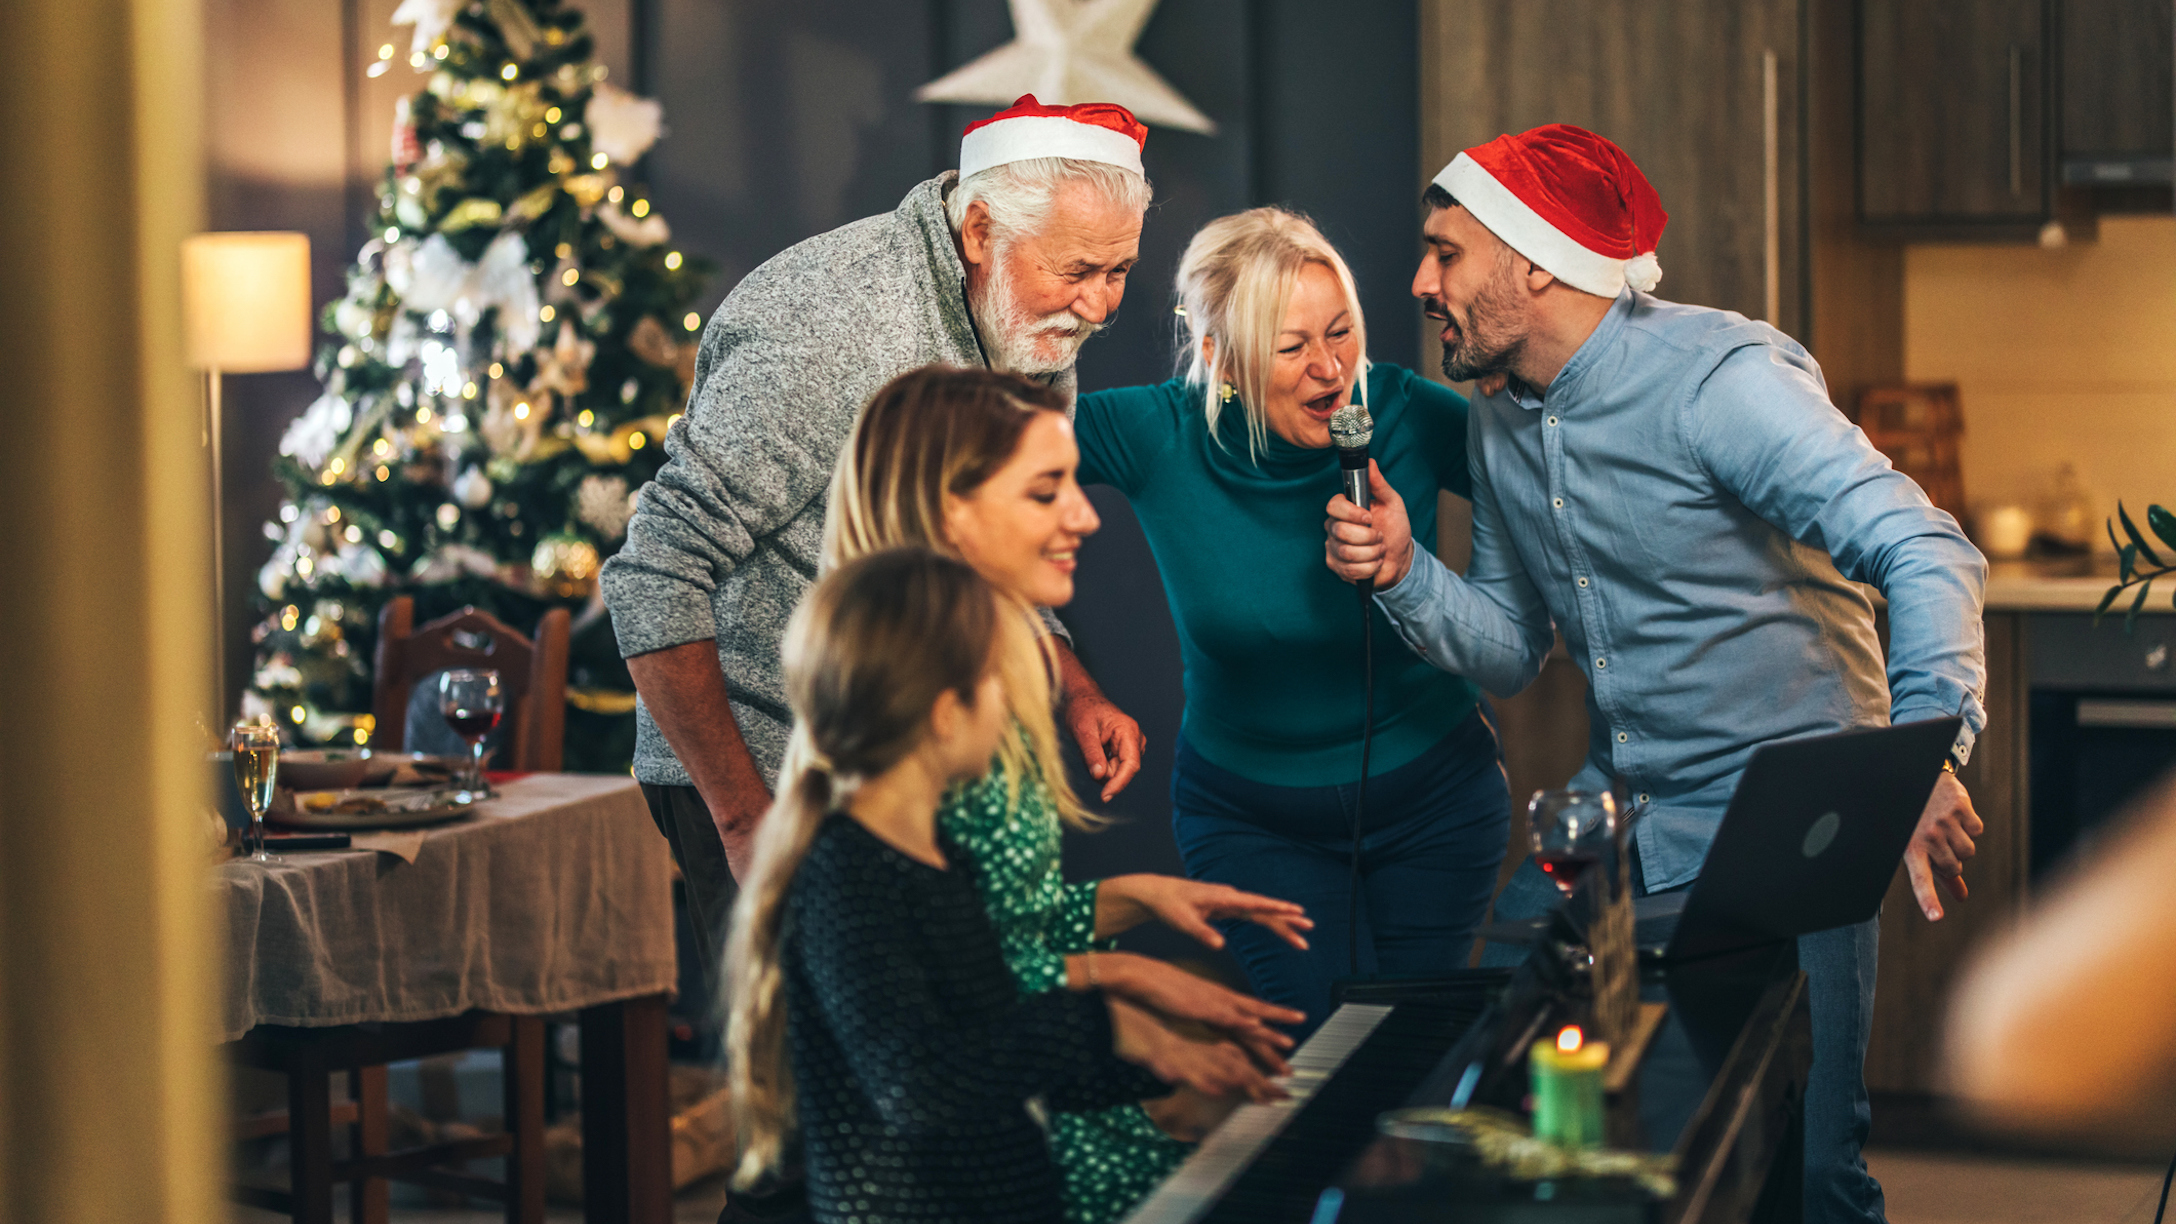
[{"x": 1269, "y": 636}]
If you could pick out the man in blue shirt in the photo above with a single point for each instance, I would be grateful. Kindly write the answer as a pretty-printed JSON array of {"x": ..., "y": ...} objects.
[{"x": 1670, "y": 487}]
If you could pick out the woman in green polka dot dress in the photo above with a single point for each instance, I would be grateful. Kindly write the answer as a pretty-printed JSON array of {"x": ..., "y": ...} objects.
[{"x": 980, "y": 464}]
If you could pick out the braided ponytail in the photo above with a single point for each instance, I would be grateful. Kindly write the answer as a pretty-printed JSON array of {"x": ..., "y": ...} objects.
[{"x": 866, "y": 656}]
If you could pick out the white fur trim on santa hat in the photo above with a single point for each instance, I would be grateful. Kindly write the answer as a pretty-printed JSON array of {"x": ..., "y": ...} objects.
[
  {"x": 1031, "y": 136},
  {"x": 1523, "y": 230}
]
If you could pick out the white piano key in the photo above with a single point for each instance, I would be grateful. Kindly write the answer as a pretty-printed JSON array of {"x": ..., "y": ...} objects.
[{"x": 1195, "y": 1186}]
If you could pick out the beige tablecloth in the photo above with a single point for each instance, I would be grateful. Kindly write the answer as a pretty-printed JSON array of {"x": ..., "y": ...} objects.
[{"x": 555, "y": 896}]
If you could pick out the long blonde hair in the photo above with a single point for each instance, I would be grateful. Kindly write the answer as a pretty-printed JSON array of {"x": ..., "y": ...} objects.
[
  {"x": 940, "y": 432},
  {"x": 866, "y": 655},
  {"x": 1234, "y": 284}
]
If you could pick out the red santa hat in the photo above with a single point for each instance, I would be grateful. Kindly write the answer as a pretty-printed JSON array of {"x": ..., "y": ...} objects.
[
  {"x": 1567, "y": 199},
  {"x": 1093, "y": 131}
]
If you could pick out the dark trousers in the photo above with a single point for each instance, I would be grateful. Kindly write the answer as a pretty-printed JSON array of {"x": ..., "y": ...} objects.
[
  {"x": 707, "y": 883},
  {"x": 1434, "y": 837},
  {"x": 1839, "y": 967}
]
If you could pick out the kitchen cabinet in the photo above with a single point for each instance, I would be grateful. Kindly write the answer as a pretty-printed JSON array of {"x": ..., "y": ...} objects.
[
  {"x": 2118, "y": 124},
  {"x": 1703, "y": 94},
  {"x": 1920, "y": 959},
  {"x": 1954, "y": 105},
  {"x": 1738, "y": 111}
]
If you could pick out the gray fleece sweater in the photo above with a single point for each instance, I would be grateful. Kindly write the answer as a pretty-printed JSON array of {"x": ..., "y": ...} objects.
[{"x": 728, "y": 537}]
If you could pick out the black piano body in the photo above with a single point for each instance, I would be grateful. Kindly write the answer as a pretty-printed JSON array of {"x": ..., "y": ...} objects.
[{"x": 1721, "y": 1086}]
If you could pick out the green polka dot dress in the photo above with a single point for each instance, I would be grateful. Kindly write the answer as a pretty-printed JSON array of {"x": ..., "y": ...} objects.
[{"x": 1110, "y": 1158}]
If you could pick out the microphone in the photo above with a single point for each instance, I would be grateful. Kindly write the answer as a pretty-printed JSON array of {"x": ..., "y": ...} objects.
[{"x": 1350, "y": 430}]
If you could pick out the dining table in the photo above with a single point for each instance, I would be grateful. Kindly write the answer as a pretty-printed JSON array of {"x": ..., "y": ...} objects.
[{"x": 552, "y": 897}]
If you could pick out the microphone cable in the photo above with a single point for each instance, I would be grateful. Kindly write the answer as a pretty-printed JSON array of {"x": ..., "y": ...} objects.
[
  {"x": 1366, "y": 587},
  {"x": 1351, "y": 429}
]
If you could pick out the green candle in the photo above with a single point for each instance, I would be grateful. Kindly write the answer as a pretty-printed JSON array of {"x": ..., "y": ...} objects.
[{"x": 1567, "y": 1081}]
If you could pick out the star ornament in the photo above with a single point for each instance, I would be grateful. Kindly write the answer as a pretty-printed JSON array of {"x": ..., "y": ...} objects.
[{"x": 1066, "y": 52}]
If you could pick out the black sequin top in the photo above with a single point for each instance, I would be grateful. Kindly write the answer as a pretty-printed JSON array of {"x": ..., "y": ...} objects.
[{"x": 914, "y": 1054}]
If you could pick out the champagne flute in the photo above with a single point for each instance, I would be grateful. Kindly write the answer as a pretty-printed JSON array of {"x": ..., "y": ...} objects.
[
  {"x": 473, "y": 704},
  {"x": 1569, "y": 830},
  {"x": 256, "y": 769}
]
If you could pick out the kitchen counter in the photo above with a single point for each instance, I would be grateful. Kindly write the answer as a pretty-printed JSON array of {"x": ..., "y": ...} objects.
[
  {"x": 2067, "y": 584},
  {"x": 2060, "y": 584}
]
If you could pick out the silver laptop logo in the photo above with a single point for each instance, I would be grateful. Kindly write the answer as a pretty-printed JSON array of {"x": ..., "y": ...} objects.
[{"x": 1821, "y": 834}]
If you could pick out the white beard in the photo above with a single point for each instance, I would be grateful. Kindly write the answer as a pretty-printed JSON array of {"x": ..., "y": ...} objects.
[{"x": 1020, "y": 343}]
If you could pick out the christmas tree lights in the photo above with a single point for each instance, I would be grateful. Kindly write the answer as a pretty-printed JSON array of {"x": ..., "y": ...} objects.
[{"x": 497, "y": 380}]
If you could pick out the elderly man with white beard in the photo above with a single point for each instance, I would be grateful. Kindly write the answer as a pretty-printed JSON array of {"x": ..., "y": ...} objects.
[{"x": 1011, "y": 263}]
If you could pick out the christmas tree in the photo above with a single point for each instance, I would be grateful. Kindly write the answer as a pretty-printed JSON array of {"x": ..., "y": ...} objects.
[{"x": 498, "y": 378}]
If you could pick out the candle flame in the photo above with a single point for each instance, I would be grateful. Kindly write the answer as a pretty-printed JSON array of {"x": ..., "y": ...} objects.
[{"x": 1570, "y": 1039}]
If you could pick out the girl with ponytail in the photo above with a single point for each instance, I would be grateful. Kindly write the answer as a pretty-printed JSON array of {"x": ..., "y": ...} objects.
[
  {"x": 980, "y": 465},
  {"x": 870, "y": 1001}
]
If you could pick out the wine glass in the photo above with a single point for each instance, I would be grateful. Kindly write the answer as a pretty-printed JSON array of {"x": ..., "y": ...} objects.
[
  {"x": 1570, "y": 829},
  {"x": 256, "y": 768},
  {"x": 473, "y": 704}
]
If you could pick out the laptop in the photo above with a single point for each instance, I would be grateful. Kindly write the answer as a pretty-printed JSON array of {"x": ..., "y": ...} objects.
[{"x": 1811, "y": 840}]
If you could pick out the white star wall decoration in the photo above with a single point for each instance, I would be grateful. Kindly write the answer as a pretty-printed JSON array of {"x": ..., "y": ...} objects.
[{"x": 1066, "y": 52}]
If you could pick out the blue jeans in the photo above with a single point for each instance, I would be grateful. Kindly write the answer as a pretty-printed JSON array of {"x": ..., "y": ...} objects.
[
  {"x": 1839, "y": 967},
  {"x": 1435, "y": 834}
]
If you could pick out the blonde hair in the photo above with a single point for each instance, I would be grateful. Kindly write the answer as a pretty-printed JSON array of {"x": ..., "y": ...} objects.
[
  {"x": 866, "y": 656},
  {"x": 1234, "y": 284},
  {"x": 940, "y": 432}
]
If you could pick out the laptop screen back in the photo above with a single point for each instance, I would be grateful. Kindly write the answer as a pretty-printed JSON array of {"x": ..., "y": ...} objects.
[{"x": 1813, "y": 836}]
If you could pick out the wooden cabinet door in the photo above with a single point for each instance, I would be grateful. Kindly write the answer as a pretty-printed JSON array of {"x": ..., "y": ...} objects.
[
  {"x": 1953, "y": 112},
  {"x": 1703, "y": 94},
  {"x": 1920, "y": 959},
  {"x": 2118, "y": 60}
]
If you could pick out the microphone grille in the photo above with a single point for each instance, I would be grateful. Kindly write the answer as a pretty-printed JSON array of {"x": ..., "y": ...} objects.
[{"x": 1351, "y": 427}]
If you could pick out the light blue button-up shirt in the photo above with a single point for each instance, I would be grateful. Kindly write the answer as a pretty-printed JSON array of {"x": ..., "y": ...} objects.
[{"x": 1689, "y": 509}]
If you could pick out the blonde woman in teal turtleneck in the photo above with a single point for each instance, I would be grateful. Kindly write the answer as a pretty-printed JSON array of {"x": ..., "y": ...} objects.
[{"x": 1228, "y": 468}]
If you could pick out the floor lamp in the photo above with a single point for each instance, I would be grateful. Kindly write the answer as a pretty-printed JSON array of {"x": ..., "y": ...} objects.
[{"x": 246, "y": 310}]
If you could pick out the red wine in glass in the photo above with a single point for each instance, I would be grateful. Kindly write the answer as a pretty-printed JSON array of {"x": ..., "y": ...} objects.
[
  {"x": 473, "y": 725},
  {"x": 472, "y": 703},
  {"x": 1565, "y": 866}
]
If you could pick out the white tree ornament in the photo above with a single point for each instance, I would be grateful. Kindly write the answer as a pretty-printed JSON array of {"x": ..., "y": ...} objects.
[
  {"x": 1067, "y": 52},
  {"x": 431, "y": 18},
  {"x": 621, "y": 125}
]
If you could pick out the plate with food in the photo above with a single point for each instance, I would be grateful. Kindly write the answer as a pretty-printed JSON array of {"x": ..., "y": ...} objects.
[
  {"x": 374, "y": 809},
  {"x": 423, "y": 769},
  {"x": 333, "y": 768}
]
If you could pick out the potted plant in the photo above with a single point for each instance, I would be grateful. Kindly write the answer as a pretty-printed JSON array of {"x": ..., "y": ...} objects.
[{"x": 2139, "y": 563}]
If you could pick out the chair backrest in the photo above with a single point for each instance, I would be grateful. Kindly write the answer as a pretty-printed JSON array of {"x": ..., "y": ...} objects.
[{"x": 532, "y": 674}]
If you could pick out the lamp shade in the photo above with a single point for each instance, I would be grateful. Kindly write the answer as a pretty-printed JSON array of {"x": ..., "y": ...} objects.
[{"x": 246, "y": 301}]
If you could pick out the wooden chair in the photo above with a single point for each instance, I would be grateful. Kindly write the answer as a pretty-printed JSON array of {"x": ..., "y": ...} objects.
[
  {"x": 532, "y": 674},
  {"x": 310, "y": 1057}
]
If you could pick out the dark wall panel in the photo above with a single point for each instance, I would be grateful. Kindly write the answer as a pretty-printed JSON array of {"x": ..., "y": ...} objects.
[
  {"x": 788, "y": 120},
  {"x": 785, "y": 120}
]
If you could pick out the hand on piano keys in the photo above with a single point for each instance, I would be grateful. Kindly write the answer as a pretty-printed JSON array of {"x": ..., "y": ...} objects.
[
  {"x": 1181, "y": 996},
  {"x": 1187, "y": 1115},
  {"x": 1212, "y": 1068}
]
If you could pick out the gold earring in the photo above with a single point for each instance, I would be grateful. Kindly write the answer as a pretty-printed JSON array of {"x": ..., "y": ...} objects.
[{"x": 1228, "y": 393}]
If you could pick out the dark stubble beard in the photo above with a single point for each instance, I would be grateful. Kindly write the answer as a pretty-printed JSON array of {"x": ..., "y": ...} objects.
[{"x": 1489, "y": 340}]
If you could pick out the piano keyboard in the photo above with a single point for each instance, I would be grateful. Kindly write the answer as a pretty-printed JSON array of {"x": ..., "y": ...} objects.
[{"x": 1197, "y": 1185}]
